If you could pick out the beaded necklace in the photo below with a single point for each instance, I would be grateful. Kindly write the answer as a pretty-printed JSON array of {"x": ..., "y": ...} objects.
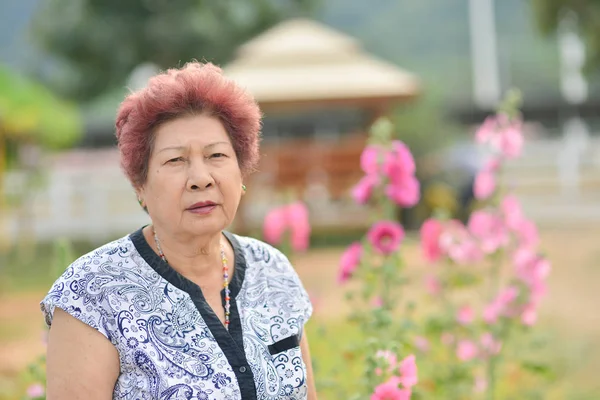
[{"x": 225, "y": 276}]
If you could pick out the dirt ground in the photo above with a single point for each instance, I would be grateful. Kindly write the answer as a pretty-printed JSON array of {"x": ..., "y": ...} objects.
[{"x": 571, "y": 307}]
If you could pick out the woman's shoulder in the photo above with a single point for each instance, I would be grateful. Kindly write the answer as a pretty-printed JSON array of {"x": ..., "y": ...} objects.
[
  {"x": 261, "y": 254},
  {"x": 113, "y": 252},
  {"x": 90, "y": 283}
]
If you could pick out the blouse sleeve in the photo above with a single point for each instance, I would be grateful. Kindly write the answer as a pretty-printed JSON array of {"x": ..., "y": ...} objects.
[
  {"x": 75, "y": 293},
  {"x": 292, "y": 285}
]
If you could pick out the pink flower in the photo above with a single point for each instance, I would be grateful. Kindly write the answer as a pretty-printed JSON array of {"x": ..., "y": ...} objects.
[
  {"x": 377, "y": 302},
  {"x": 466, "y": 350},
  {"x": 502, "y": 134},
  {"x": 275, "y": 225},
  {"x": 490, "y": 230},
  {"x": 422, "y": 344},
  {"x": 386, "y": 236},
  {"x": 371, "y": 159},
  {"x": 297, "y": 215},
  {"x": 35, "y": 391},
  {"x": 513, "y": 214},
  {"x": 349, "y": 261},
  {"x": 500, "y": 305},
  {"x": 447, "y": 338},
  {"x": 432, "y": 285},
  {"x": 431, "y": 230},
  {"x": 480, "y": 385},
  {"x": 465, "y": 315},
  {"x": 458, "y": 244},
  {"x": 527, "y": 233},
  {"x": 390, "y": 391},
  {"x": 511, "y": 141},
  {"x": 486, "y": 130},
  {"x": 405, "y": 192},
  {"x": 489, "y": 344},
  {"x": 292, "y": 216},
  {"x": 529, "y": 315},
  {"x": 492, "y": 164},
  {"x": 408, "y": 371},
  {"x": 362, "y": 192},
  {"x": 399, "y": 162},
  {"x": 389, "y": 357},
  {"x": 485, "y": 185}
]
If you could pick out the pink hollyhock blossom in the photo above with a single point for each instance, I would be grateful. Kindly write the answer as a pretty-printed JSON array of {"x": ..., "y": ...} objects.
[
  {"x": 349, "y": 261},
  {"x": 529, "y": 315},
  {"x": 490, "y": 230},
  {"x": 297, "y": 214},
  {"x": 511, "y": 141},
  {"x": 386, "y": 236},
  {"x": 35, "y": 391},
  {"x": 390, "y": 391},
  {"x": 458, "y": 244},
  {"x": 422, "y": 344},
  {"x": 500, "y": 305},
  {"x": 399, "y": 162},
  {"x": 405, "y": 192},
  {"x": 377, "y": 302},
  {"x": 502, "y": 134},
  {"x": 431, "y": 230},
  {"x": 466, "y": 350},
  {"x": 480, "y": 385},
  {"x": 294, "y": 217},
  {"x": 492, "y": 164},
  {"x": 489, "y": 344},
  {"x": 362, "y": 192},
  {"x": 527, "y": 233},
  {"x": 465, "y": 315},
  {"x": 485, "y": 185},
  {"x": 447, "y": 338},
  {"x": 486, "y": 131},
  {"x": 537, "y": 291},
  {"x": 433, "y": 285},
  {"x": 513, "y": 214},
  {"x": 390, "y": 359},
  {"x": 275, "y": 225},
  {"x": 371, "y": 158},
  {"x": 408, "y": 372}
]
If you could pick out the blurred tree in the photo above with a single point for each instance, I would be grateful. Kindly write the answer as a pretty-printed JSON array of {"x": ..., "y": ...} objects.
[
  {"x": 31, "y": 117},
  {"x": 101, "y": 41},
  {"x": 548, "y": 14}
]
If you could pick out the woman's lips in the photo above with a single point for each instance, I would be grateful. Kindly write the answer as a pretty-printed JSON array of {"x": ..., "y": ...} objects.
[{"x": 202, "y": 210}]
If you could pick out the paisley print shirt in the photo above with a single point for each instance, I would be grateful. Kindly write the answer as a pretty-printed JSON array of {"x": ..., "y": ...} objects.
[{"x": 171, "y": 344}]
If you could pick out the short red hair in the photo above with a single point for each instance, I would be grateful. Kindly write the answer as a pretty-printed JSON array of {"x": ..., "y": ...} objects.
[{"x": 195, "y": 88}]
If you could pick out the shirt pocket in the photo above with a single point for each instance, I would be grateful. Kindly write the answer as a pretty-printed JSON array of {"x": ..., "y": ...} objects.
[{"x": 286, "y": 356}]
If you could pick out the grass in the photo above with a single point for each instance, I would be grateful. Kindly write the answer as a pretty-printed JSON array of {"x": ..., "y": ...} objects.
[{"x": 567, "y": 336}]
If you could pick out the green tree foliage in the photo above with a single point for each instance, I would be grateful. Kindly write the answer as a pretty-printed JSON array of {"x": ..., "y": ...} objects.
[
  {"x": 99, "y": 42},
  {"x": 548, "y": 14}
]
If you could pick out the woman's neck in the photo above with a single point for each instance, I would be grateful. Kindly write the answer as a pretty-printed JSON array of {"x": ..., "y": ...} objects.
[{"x": 191, "y": 256}]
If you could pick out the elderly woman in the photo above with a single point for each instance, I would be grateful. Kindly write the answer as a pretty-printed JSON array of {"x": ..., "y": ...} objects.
[{"x": 181, "y": 308}]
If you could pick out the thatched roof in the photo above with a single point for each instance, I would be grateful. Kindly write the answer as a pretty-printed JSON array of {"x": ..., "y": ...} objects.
[{"x": 301, "y": 61}]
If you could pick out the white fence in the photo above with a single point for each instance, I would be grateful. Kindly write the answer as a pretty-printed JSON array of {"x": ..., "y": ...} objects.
[{"x": 86, "y": 196}]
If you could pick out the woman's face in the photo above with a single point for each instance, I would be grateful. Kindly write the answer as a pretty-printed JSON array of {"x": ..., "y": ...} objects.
[{"x": 194, "y": 182}]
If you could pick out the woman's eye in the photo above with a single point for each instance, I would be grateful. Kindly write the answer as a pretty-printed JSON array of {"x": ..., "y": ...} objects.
[
  {"x": 217, "y": 155},
  {"x": 172, "y": 160}
]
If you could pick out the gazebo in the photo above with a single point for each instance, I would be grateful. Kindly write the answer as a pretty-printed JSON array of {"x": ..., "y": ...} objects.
[{"x": 319, "y": 91}]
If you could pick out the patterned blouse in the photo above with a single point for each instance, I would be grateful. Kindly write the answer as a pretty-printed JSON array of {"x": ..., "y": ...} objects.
[{"x": 171, "y": 344}]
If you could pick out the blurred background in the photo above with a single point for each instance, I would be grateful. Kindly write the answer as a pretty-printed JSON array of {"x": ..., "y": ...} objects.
[{"x": 323, "y": 71}]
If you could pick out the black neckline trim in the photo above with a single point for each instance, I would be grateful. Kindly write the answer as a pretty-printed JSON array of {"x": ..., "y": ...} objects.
[{"x": 231, "y": 342}]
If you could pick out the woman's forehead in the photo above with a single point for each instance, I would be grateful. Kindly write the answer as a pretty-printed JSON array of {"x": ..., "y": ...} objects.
[{"x": 198, "y": 131}]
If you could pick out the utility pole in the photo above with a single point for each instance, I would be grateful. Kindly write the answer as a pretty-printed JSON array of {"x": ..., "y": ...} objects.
[{"x": 484, "y": 54}]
